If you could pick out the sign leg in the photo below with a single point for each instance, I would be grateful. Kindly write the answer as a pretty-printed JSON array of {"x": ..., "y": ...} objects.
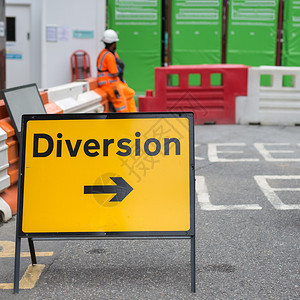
[
  {"x": 17, "y": 265},
  {"x": 193, "y": 264},
  {"x": 32, "y": 251}
]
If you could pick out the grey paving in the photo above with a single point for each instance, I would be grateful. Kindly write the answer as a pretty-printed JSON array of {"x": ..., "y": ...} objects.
[{"x": 241, "y": 254}]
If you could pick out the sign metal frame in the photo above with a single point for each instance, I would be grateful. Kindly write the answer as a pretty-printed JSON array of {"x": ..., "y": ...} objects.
[
  {"x": 35, "y": 101},
  {"x": 190, "y": 234}
]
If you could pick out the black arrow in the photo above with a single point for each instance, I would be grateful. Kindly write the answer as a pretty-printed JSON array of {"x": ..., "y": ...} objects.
[{"x": 121, "y": 189}]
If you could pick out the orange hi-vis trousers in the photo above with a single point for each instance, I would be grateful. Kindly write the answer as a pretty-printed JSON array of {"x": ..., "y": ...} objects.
[{"x": 121, "y": 97}]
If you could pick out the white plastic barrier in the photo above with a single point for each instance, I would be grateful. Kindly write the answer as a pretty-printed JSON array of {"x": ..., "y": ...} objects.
[
  {"x": 270, "y": 105},
  {"x": 76, "y": 97},
  {"x": 4, "y": 177},
  {"x": 88, "y": 102},
  {"x": 5, "y": 211},
  {"x": 70, "y": 90}
]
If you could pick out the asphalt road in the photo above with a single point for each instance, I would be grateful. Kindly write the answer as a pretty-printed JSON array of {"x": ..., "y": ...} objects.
[{"x": 247, "y": 233}]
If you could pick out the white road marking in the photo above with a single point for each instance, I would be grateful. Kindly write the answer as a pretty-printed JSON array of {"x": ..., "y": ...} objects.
[
  {"x": 267, "y": 153},
  {"x": 213, "y": 153},
  {"x": 205, "y": 204},
  {"x": 197, "y": 157},
  {"x": 270, "y": 192}
]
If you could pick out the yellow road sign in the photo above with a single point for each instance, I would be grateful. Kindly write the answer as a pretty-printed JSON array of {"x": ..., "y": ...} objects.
[{"x": 107, "y": 173}]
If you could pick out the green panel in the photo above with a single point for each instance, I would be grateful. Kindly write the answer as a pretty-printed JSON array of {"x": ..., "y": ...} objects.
[
  {"x": 291, "y": 38},
  {"x": 291, "y": 34},
  {"x": 138, "y": 24},
  {"x": 252, "y": 32},
  {"x": 196, "y": 32},
  {"x": 139, "y": 74}
]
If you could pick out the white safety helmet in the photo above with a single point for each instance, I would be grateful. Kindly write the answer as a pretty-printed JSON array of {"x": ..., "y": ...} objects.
[{"x": 109, "y": 36}]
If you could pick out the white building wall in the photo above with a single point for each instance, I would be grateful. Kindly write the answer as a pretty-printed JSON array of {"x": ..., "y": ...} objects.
[
  {"x": 70, "y": 15},
  {"x": 50, "y": 61},
  {"x": 35, "y": 36}
]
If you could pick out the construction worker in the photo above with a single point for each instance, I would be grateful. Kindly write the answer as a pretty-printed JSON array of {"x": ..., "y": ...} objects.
[{"x": 110, "y": 75}]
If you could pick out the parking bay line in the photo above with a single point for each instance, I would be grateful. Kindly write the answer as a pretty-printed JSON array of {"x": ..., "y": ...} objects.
[
  {"x": 29, "y": 279},
  {"x": 33, "y": 272},
  {"x": 205, "y": 204},
  {"x": 8, "y": 250},
  {"x": 270, "y": 192}
]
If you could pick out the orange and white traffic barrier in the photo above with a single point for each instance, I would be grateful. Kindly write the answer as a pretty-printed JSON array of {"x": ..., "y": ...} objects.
[
  {"x": 88, "y": 102},
  {"x": 9, "y": 169},
  {"x": 5, "y": 208},
  {"x": 5, "y": 211},
  {"x": 4, "y": 178},
  {"x": 9, "y": 199},
  {"x": 69, "y": 90},
  {"x": 93, "y": 84},
  {"x": 13, "y": 150},
  {"x": 76, "y": 97}
]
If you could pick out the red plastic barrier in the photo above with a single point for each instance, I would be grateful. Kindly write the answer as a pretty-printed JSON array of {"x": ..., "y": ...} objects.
[{"x": 209, "y": 103}]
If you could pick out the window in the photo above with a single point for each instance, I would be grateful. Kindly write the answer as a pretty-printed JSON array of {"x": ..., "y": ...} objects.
[{"x": 10, "y": 29}]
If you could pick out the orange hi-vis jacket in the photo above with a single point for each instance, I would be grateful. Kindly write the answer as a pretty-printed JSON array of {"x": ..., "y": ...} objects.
[
  {"x": 106, "y": 66},
  {"x": 118, "y": 92}
]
